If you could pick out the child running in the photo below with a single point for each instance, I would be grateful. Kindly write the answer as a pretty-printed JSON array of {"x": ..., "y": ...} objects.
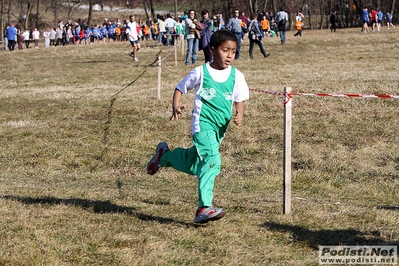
[{"x": 217, "y": 86}]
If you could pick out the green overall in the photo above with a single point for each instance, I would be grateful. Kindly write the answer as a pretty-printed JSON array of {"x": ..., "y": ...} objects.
[{"x": 203, "y": 158}]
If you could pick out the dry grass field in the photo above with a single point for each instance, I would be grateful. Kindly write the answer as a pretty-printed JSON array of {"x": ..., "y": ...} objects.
[{"x": 73, "y": 184}]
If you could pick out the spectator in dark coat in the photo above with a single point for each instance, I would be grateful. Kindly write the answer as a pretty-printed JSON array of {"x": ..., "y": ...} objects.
[
  {"x": 206, "y": 36},
  {"x": 333, "y": 21}
]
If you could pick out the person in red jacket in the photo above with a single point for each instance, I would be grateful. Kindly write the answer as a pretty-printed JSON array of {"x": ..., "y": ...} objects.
[{"x": 373, "y": 15}]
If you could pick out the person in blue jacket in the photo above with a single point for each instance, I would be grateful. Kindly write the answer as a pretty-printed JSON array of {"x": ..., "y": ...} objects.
[
  {"x": 11, "y": 36},
  {"x": 365, "y": 19}
]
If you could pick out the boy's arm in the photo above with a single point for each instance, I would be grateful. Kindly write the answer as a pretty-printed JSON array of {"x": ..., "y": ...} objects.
[
  {"x": 176, "y": 107},
  {"x": 239, "y": 116}
]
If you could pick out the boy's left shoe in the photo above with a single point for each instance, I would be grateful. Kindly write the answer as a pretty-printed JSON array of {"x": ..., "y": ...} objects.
[
  {"x": 154, "y": 164},
  {"x": 206, "y": 214}
]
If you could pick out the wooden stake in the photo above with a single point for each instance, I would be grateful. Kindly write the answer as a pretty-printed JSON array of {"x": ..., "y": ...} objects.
[
  {"x": 159, "y": 77},
  {"x": 287, "y": 151}
]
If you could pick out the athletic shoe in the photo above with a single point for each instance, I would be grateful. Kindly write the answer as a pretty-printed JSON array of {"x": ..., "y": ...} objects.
[
  {"x": 135, "y": 59},
  {"x": 153, "y": 164},
  {"x": 131, "y": 54},
  {"x": 206, "y": 214}
]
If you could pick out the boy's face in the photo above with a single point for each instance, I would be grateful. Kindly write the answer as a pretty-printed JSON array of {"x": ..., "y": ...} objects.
[{"x": 223, "y": 55}]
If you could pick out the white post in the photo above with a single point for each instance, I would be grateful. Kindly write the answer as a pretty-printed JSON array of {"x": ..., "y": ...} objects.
[
  {"x": 287, "y": 151},
  {"x": 159, "y": 77}
]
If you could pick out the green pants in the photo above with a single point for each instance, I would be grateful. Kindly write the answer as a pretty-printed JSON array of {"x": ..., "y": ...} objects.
[{"x": 202, "y": 160}]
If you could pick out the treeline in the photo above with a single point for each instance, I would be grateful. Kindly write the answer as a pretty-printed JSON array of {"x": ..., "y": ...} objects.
[{"x": 27, "y": 12}]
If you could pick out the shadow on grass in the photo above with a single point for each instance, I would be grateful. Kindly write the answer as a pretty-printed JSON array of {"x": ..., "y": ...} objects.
[
  {"x": 391, "y": 208},
  {"x": 95, "y": 61},
  {"x": 96, "y": 206},
  {"x": 325, "y": 237}
]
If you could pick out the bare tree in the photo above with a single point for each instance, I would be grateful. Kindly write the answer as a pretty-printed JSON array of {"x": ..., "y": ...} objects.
[
  {"x": 90, "y": 12},
  {"x": 393, "y": 6},
  {"x": 2, "y": 20},
  {"x": 71, "y": 6},
  {"x": 56, "y": 7},
  {"x": 25, "y": 8},
  {"x": 37, "y": 13},
  {"x": 149, "y": 9},
  {"x": 273, "y": 7},
  {"x": 29, "y": 8},
  {"x": 9, "y": 12},
  {"x": 256, "y": 6}
]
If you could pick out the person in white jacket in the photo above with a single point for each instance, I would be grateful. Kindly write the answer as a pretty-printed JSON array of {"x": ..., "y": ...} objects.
[
  {"x": 131, "y": 32},
  {"x": 36, "y": 35},
  {"x": 26, "y": 35},
  {"x": 46, "y": 35}
]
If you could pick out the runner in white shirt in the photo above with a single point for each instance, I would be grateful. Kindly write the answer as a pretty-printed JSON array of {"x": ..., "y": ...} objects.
[{"x": 131, "y": 32}]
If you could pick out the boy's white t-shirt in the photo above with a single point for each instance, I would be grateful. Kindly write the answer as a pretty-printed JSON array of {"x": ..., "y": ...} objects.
[
  {"x": 193, "y": 81},
  {"x": 194, "y": 78},
  {"x": 132, "y": 31}
]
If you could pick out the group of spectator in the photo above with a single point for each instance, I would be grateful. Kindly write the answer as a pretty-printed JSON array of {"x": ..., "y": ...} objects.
[
  {"x": 13, "y": 36},
  {"x": 165, "y": 30},
  {"x": 374, "y": 17},
  {"x": 63, "y": 34},
  {"x": 197, "y": 31}
]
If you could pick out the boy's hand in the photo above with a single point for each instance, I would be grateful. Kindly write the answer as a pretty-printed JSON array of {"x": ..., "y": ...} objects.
[
  {"x": 237, "y": 119},
  {"x": 176, "y": 112},
  {"x": 239, "y": 116}
]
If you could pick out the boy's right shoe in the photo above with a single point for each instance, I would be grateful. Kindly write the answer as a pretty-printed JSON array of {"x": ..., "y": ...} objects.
[
  {"x": 206, "y": 214},
  {"x": 153, "y": 165}
]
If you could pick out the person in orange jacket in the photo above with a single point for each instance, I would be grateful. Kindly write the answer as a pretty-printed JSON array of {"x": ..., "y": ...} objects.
[
  {"x": 264, "y": 23},
  {"x": 146, "y": 32},
  {"x": 298, "y": 23}
]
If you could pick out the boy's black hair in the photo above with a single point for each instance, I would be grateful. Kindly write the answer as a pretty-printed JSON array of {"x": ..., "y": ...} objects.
[{"x": 221, "y": 36}]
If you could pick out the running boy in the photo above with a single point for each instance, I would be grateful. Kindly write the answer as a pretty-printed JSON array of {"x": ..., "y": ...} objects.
[
  {"x": 132, "y": 35},
  {"x": 217, "y": 85}
]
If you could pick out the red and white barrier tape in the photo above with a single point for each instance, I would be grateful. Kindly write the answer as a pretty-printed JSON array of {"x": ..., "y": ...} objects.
[
  {"x": 268, "y": 92},
  {"x": 350, "y": 95}
]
